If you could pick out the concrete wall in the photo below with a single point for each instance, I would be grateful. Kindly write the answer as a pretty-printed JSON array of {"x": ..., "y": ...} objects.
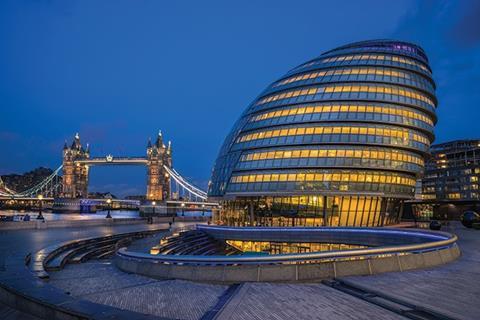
[{"x": 287, "y": 272}]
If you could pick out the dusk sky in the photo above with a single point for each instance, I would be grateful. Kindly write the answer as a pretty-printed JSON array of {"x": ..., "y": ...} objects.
[{"x": 118, "y": 71}]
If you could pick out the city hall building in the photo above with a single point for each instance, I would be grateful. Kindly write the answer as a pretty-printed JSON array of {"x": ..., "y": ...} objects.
[{"x": 338, "y": 141}]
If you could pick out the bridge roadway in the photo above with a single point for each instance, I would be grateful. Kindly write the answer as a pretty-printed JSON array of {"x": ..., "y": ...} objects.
[{"x": 451, "y": 289}]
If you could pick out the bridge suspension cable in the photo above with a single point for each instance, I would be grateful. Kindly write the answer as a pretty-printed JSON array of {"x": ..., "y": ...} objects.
[
  {"x": 189, "y": 184},
  {"x": 185, "y": 184},
  {"x": 51, "y": 186},
  {"x": 4, "y": 190},
  {"x": 47, "y": 187}
]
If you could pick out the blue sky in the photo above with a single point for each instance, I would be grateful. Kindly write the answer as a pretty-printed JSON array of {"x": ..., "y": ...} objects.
[{"x": 118, "y": 71}]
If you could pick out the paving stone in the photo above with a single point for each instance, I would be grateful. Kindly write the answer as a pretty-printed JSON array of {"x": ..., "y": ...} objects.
[
  {"x": 452, "y": 289},
  {"x": 298, "y": 301},
  {"x": 171, "y": 298},
  {"x": 8, "y": 313}
]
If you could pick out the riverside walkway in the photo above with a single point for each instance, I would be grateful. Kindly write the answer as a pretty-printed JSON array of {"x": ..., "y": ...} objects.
[{"x": 451, "y": 290}]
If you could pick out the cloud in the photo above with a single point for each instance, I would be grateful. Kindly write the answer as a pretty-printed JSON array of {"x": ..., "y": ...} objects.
[
  {"x": 9, "y": 136},
  {"x": 466, "y": 29},
  {"x": 449, "y": 31}
]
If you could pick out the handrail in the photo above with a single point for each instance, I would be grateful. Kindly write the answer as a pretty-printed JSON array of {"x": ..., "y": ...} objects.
[{"x": 446, "y": 241}]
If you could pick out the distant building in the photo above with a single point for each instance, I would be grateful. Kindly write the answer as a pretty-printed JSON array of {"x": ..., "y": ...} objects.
[
  {"x": 136, "y": 197},
  {"x": 449, "y": 186},
  {"x": 101, "y": 195},
  {"x": 453, "y": 172}
]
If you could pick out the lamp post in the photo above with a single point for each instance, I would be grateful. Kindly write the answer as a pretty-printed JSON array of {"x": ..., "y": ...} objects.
[
  {"x": 183, "y": 208},
  {"x": 109, "y": 202},
  {"x": 40, "y": 198},
  {"x": 154, "y": 203}
]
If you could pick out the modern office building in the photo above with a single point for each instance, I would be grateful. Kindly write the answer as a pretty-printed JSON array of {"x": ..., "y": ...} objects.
[
  {"x": 339, "y": 140},
  {"x": 450, "y": 185},
  {"x": 453, "y": 172}
]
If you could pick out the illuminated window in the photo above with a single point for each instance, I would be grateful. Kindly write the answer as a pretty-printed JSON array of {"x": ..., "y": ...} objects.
[
  {"x": 394, "y": 155},
  {"x": 409, "y": 93},
  {"x": 368, "y": 177}
]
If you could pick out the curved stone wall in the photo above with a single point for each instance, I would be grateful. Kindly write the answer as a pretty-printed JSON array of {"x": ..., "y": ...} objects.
[{"x": 393, "y": 250}]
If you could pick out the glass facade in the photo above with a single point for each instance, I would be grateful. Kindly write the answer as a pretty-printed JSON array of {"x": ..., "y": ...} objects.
[
  {"x": 339, "y": 140},
  {"x": 288, "y": 247},
  {"x": 453, "y": 172}
]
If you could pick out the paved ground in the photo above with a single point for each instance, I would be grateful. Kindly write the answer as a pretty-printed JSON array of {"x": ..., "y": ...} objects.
[
  {"x": 101, "y": 282},
  {"x": 453, "y": 289},
  {"x": 299, "y": 301},
  {"x": 7, "y": 313},
  {"x": 21, "y": 242}
]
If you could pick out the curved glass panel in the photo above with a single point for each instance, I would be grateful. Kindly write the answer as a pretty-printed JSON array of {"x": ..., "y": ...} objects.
[{"x": 351, "y": 127}]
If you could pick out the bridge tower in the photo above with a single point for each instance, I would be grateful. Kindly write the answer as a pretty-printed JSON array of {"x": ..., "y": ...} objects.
[
  {"x": 75, "y": 175},
  {"x": 158, "y": 180}
]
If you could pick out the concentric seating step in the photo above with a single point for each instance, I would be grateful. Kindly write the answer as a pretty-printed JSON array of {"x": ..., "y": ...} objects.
[
  {"x": 194, "y": 242},
  {"x": 169, "y": 247},
  {"x": 188, "y": 247},
  {"x": 94, "y": 252},
  {"x": 204, "y": 250},
  {"x": 59, "y": 261},
  {"x": 56, "y": 256},
  {"x": 77, "y": 257},
  {"x": 106, "y": 254}
]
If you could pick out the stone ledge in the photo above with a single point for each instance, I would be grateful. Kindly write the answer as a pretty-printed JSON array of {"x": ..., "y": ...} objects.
[{"x": 288, "y": 272}]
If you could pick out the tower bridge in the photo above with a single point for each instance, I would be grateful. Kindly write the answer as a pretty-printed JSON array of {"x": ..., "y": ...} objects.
[
  {"x": 70, "y": 180},
  {"x": 77, "y": 163}
]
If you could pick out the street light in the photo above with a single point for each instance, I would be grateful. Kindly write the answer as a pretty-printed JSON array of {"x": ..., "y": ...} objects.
[
  {"x": 109, "y": 202},
  {"x": 154, "y": 203},
  {"x": 183, "y": 210},
  {"x": 40, "y": 198}
]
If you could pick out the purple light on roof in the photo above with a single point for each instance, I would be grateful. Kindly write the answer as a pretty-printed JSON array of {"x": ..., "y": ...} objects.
[{"x": 404, "y": 48}]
